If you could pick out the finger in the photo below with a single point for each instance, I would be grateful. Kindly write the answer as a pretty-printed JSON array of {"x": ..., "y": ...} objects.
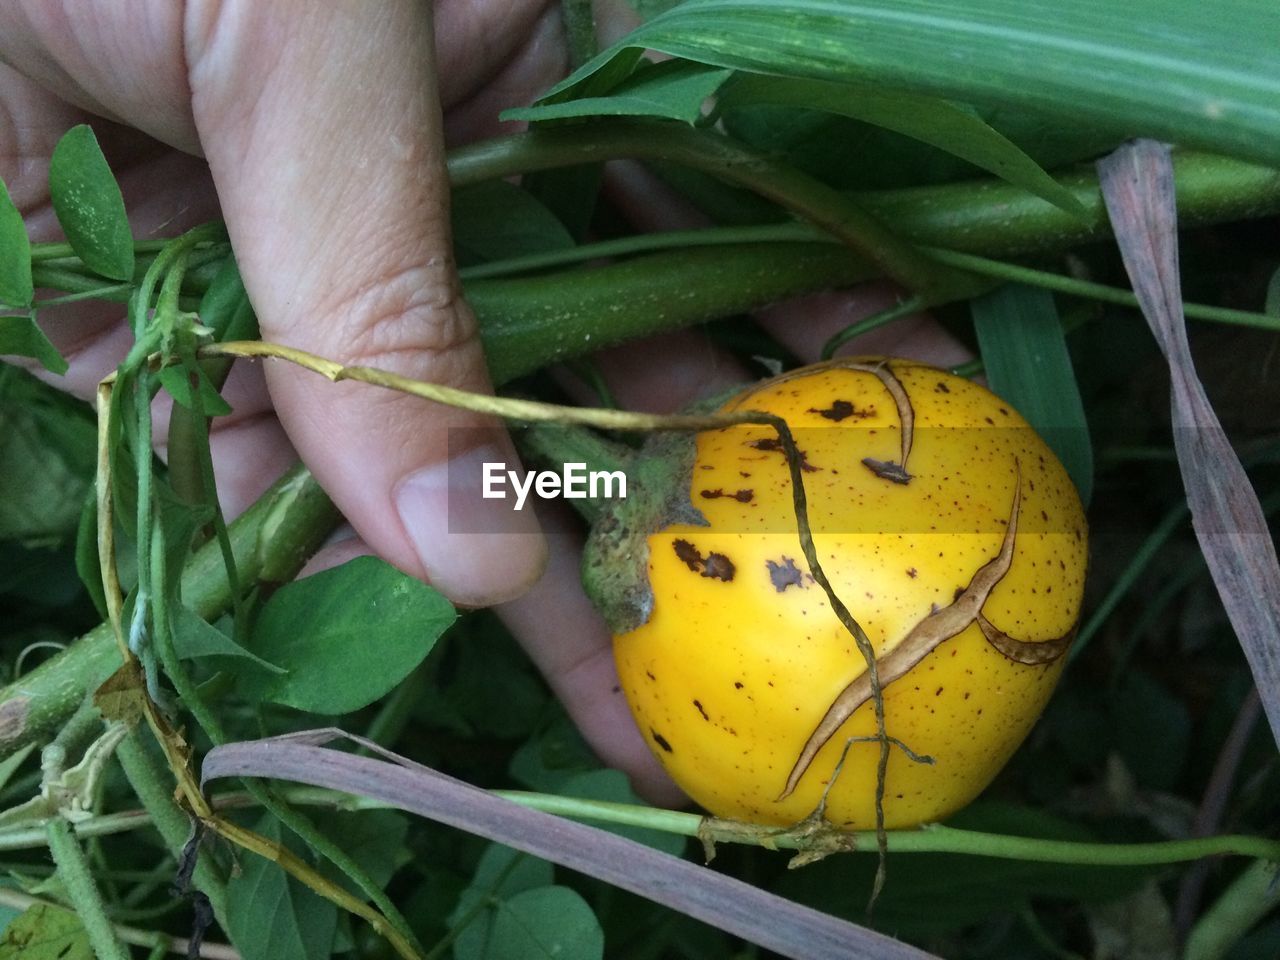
[
  {"x": 322, "y": 128},
  {"x": 569, "y": 642}
]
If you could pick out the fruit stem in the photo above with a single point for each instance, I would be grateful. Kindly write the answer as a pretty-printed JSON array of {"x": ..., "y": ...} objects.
[{"x": 557, "y": 444}]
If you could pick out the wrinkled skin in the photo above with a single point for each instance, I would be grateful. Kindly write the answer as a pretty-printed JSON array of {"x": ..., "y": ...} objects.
[{"x": 318, "y": 131}]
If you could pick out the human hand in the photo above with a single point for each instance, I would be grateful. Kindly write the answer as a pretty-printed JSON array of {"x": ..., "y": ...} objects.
[{"x": 315, "y": 132}]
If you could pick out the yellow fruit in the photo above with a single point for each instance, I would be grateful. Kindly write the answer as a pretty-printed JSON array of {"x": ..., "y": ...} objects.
[{"x": 964, "y": 565}]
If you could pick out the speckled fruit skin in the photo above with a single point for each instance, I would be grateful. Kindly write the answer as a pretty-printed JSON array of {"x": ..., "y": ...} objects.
[{"x": 742, "y": 656}]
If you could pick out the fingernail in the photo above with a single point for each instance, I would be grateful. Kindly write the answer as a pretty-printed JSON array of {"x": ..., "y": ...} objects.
[{"x": 477, "y": 551}]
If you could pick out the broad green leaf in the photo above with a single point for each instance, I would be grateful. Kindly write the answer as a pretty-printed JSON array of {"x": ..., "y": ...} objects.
[
  {"x": 512, "y": 910},
  {"x": 940, "y": 123},
  {"x": 612, "y": 786},
  {"x": 497, "y": 220},
  {"x": 176, "y": 379},
  {"x": 1152, "y": 730},
  {"x": 1209, "y": 76},
  {"x": 1025, "y": 355},
  {"x": 225, "y": 307},
  {"x": 675, "y": 89},
  {"x": 503, "y": 872},
  {"x": 44, "y": 932},
  {"x": 193, "y": 638},
  {"x": 20, "y": 337},
  {"x": 346, "y": 636},
  {"x": 273, "y": 916},
  {"x": 9, "y": 766},
  {"x": 374, "y": 839},
  {"x": 88, "y": 204},
  {"x": 88, "y": 565},
  {"x": 47, "y": 442},
  {"x": 16, "y": 289},
  {"x": 549, "y": 923}
]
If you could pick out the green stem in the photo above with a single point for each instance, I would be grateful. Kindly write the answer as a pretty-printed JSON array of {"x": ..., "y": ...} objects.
[
  {"x": 1247, "y": 900},
  {"x": 836, "y": 213},
  {"x": 580, "y": 30},
  {"x": 560, "y": 444},
  {"x": 153, "y": 786},
  {"x": 929, "y": 839},
  {"x": 73, "y": 872}
]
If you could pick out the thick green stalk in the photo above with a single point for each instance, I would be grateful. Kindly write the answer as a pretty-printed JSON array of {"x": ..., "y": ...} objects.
[
  {"x": 271, "y": 540},
  {"x": 73, "y": 872},
  {"x": 153, "y": 785},
  {"x": 529, "y": 322},
  {"x": 840, "y": 214},
  {"x": 1247, "y": 900}
]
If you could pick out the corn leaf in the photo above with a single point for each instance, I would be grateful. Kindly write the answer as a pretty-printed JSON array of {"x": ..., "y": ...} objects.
[
  {"x": 1137, "y": 184},
  {"x": 1026, "y": 359},
  {"x": 778, "y": 925},
  {"x": 1198, "y": 74}
]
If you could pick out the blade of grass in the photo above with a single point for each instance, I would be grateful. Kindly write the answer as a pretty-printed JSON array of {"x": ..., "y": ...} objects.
[
  {"x": 1137, "y": 184},
  {"x": 1025, "y": 354},
  {"x": 722, "y": 901}
]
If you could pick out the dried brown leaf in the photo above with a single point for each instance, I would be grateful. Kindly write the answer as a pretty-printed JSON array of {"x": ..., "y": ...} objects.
[
  {"x": 745, "y": 911},
  {"x": 1137, "y": 184}
]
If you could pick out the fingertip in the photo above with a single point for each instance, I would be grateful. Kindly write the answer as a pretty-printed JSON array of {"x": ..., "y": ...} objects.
[{"x": 476, "y": 548}]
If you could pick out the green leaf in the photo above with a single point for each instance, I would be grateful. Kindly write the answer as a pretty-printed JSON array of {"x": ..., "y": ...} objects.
[
  {"x": 225, "y": 307},
  {"x": 88, "y": 564},
  {"x": 1208, "y": 77},
  {"x": 9, "y": 766},
  {"x": 374, "y": 839},
  {"x": 612, "y": 786},
  {"x": 88, "y": 204},
  {"x": 497, "y": 220},
  {"x": 273, "y": 916},
  {"x": 194, "y": 638},
  {"x": 512, "y": 910},
  {"x": 675, "y": 89},
  {"x": 47, "y": 452},
  {"x": 16, "y": 289},
  {"x": 346, "y": 636},
  {"x": 549, "y": 923},
  {"x": 20, "y": 337},
  {"x": 940, "y": 123},
  {"x": 43, "y": 932},
  {"x": 176, "y": 379},
  {"x": 1025, "y": 354}
]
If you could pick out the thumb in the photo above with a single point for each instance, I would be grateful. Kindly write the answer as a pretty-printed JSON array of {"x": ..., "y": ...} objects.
[{"x": 322, "y": 128}]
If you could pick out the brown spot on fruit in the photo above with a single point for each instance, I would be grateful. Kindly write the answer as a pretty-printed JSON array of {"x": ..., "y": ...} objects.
[
  {"x": 941, "y": 387},
  {"x": 702, "y": 711},
  {"x": 785, "y": 574},
  {"x": 718, "y": 567},
  {"x": 772, "y": 444},
  {"x": 688, "y": 554},
  {"x": 742, "y": 496},
  {"x": 661, "y": 741},
  {"x": 912, "y": 572},
  {"x": 842, "y": 410}
]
